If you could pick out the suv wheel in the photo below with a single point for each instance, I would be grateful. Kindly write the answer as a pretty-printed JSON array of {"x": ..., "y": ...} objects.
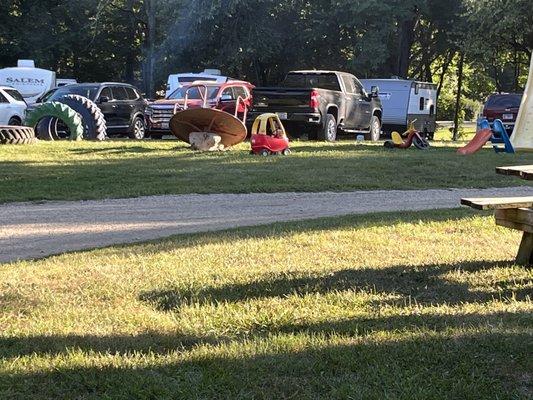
[
  {"x": 139, "y": 129},
  {"x": 14, "y": 121}
]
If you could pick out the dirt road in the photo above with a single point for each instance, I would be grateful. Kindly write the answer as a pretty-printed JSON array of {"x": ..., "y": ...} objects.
[{"x": 29, "y": 230}]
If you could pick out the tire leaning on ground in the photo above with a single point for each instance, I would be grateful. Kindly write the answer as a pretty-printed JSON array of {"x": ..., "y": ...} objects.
[
  {"x": 138, "y": 131},
  {"x": 56, "y": 110},
  {"x": 329, "y": 132},
  {"x": 94, "y": 124},
  {"x": 17, "y": 135},
  {"x": 375, "y": 129}
]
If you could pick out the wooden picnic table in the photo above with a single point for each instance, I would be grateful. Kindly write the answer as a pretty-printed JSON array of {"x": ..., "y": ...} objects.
[
  {"x": 522, "y": 171},
  {"x": 512, "y": 212}
]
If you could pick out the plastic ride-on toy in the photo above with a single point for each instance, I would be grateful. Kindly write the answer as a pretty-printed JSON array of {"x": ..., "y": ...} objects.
[
  {"x": 269, "y": 136},
  {"x": 412, "y": 137}
]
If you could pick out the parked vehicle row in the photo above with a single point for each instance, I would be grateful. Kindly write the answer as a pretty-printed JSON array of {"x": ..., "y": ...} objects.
[{"x": 318, "y": 104}]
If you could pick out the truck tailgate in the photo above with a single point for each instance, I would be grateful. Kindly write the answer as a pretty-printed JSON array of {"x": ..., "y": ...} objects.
[{"x": 281, "y": 99}]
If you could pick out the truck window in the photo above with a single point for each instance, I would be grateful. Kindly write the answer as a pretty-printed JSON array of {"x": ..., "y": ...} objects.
[
  {"x": 3, "y": 98},
  {"x": 348, "y": 84},
  {"x": 227, "y": 94},
  {"x": 358, "y": 87},
  {"x": 240, "y": 91},
  {"x": 319, "y": 81}
]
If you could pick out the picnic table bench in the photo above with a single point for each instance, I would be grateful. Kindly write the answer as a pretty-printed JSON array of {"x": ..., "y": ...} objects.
[{"x": 512, "y": 212}]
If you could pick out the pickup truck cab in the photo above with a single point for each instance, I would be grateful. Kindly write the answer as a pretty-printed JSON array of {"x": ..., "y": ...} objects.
[
  {"x": 222, "y": 96},
  {"x": 321, "y": 104}
]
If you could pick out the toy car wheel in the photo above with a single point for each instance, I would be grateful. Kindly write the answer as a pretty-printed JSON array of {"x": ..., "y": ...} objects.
[
  {"x": 286, "y": 152},
  {"x": 264, "y": 153}
]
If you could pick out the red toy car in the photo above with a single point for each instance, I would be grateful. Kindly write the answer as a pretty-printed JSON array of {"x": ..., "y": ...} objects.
[
  {"x": 269, "y": 136},
  {"x": 265, "y": 145}
]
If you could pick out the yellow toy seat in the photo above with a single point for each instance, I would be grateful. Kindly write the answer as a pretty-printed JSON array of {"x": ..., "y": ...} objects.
[{"x": 396, "y": 138}]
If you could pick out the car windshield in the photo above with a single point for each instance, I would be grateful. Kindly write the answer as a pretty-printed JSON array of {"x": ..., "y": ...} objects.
[
  {"x": 319, "y": 81},
  {"x": 195, "y": 93},
  {"x": 505, "y": 101},
  {"x": 85, "y": 91},
  {"x": 16, "y": 95}
]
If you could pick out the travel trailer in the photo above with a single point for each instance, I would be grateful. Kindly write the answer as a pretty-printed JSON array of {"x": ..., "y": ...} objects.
[
  {"x": 404, "y": 101},
  {"x": 29, "y": 81},
  {"x": 176, "y": 81}
]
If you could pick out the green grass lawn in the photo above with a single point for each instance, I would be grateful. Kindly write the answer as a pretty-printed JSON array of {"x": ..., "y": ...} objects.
[
  {"x": 414, "y": 306},
  {"x": 87, "y": 170}
]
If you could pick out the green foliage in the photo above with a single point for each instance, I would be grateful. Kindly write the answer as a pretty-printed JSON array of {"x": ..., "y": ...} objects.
[{"x": 260, "y": 40}]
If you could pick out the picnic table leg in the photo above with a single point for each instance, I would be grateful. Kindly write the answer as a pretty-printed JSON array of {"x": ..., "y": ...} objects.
[{"x": 525, "y": 252}]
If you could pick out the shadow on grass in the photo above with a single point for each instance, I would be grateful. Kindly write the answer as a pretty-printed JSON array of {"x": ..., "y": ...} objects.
[
  {"x": 421, "y": 285},
  {"x": 165, "y": 343},
  {"x": 465, "y": 366},
  {"x": 116, "y": 150}
]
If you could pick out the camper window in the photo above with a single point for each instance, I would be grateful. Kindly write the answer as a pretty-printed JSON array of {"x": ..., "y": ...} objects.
[{"x": 422, "y": 104}]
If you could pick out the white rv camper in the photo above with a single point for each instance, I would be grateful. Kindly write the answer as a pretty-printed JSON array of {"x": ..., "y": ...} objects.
[
  {"x": 404, "y": 101},
  {"x": 30, "y": 82},
  {"x": 175, "y": 81}
]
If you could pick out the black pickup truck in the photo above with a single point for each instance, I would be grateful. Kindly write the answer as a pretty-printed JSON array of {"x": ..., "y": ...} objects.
[{"x": 321, "y": 104}]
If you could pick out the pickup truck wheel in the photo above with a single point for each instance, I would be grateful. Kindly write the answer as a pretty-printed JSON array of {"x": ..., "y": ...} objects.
[
  {"x": 375, "y": 129},
  {"x": 329, "y": 132}
]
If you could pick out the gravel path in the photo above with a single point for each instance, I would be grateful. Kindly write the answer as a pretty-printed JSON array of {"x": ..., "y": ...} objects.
[{"x": 30, "y": 230}]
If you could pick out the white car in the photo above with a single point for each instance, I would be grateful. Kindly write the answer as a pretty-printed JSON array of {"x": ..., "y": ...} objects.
[{"x": 12, "y": 106}]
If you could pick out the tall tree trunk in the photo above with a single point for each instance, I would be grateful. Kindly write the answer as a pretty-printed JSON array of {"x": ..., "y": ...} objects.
[
  {"x": 444, "y": 71},
  {"x": 149, "y": 63},
  {"x": 129, "y": 73},
  {"x": 460, "y": 70},
  {"x": 407, "y": 35}
]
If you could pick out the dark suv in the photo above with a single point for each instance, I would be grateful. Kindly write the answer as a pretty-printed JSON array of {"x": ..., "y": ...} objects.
[
  {"x": 123, "y": 105},
  {"x": 503, "y": 106}
]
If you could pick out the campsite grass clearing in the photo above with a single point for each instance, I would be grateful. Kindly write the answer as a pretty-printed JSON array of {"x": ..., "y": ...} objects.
[
  {"x": 123, "y": 168},
  {"x": 405, "y": 306}
]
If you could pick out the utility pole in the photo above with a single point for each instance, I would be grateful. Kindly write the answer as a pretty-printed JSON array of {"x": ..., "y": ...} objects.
[{"x": 460, "y": 70}]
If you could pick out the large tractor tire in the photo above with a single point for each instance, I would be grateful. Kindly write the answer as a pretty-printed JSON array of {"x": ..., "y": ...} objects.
[
  {"x": 94, "y": 124},
  {"x": 63, "y": 113},
  {"x": 17, "y": 135}
]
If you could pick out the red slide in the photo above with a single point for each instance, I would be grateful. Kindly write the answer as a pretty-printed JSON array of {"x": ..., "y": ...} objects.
[{"x": 482, "y": 137}]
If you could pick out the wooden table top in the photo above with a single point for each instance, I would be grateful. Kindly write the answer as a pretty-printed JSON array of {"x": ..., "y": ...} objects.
[{"x": 521, "y": 171}]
